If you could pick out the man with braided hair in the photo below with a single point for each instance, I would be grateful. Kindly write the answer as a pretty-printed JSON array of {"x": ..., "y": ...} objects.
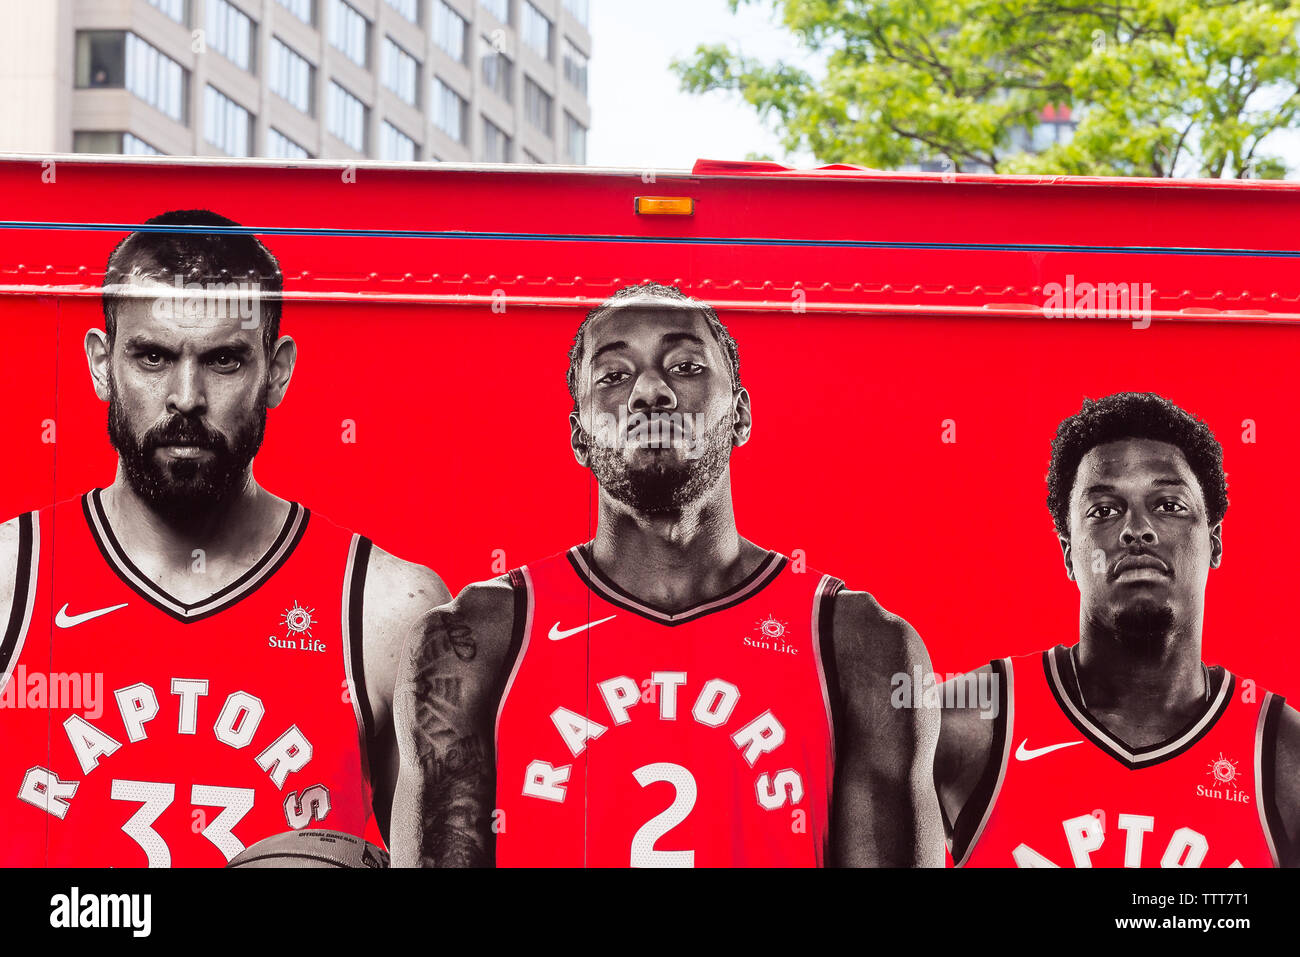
[{"x": 668, "y": 694}]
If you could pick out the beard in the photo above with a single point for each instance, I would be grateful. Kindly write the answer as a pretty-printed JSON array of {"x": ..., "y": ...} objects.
[
  {"x": 180, "y": 490},
  {"x": 669, "y": 483},
  {"x": 1142, "y": 627}
]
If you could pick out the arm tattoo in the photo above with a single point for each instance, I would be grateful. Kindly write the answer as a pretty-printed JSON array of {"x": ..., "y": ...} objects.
[{"x": 452, "y": 748}]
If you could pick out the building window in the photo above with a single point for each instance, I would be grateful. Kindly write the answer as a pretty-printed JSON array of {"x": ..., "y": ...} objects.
[
  {"x": 496, "y": 144},
  {"x": 580, "y": 10},
  {"x": 176, "y": 9},
  {"x": 101, "y": 59},
  {"x": 535, "y": 30},
  {"x": 99, "y": 142},
  {"x": 497, "y": 71},
  {"x": 537, "y": 106},
  {"x": 349, "y": 32},
  {"x": 280, "y": 146},
  {"x": 575, "y": 139},
  {"x": 396, "y": 145},
  {"x": 449, "y": 31},
  {"x": 346, "y": 117},
  {"x": 112, "y": 59},
  {"x": 400, "y": 72},
  {"x": 575, "y": 66},
  {"x": 498, "y": 8},
  {"x": 134, "y": 146},
  {"x": 292, "y": 77},
  {"x": 96, "y": 142},
  {"x": 157, "y": 79},
  {"x": 449, "y": 110},
  {"x": 226, "y": 124},
  {"x": 230, "y": 33},
  {"x": 407, "y": 8},
  {"x": 302, "y": 9}
]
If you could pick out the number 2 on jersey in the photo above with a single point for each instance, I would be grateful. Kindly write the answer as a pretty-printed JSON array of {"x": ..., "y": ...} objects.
[{"x": 643, "y": 843}]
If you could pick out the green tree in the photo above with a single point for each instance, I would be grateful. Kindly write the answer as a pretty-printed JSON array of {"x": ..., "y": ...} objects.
[{"x": 1158, "y": 87}]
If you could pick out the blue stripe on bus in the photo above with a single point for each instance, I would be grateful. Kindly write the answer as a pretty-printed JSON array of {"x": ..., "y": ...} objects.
[{"x": 659, "y": 240}]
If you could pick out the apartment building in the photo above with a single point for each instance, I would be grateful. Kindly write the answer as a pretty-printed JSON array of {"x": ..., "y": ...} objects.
[{"x": 500, "y": 81}]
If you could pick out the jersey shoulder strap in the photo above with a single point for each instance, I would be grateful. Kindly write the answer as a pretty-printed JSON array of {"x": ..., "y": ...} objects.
[
  {"x": 974, "y": 815},
  {"x": 23, "y": 603}
]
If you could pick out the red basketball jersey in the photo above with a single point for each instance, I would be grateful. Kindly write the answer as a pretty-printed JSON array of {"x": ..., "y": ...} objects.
[
  {"x": 1062, "y": 791},
  {"x": 629, "y": 736},
  {"x": 139, "y": 729}
]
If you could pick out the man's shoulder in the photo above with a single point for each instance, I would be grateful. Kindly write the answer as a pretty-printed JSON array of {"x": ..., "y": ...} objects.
[
  {"x": 384, "y": 571},
  {"x": 19, "y": 553},
  {"x": 485, "y": 603},
  {"x": 1286, "y": 730},
  {"x": 11, "y": 531},
  {"x": 1288, "y": 734},
  {"x": 985, "y": 672},
  {"x": 10, "y": 545},
  {"x": 971, "y": 705},
  {"x": 1286, "y": 777},
  {"x": 404, "y": 580},
  {"x": 19, "y": 533},
  {"x": 479, "y": 624},
  {"x": 398, "y": 593},
  {"x": 865, "y": 629}
]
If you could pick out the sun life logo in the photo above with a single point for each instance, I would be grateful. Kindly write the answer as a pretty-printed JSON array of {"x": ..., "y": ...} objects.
[
  {"x": 771, "y": 628},
  {"x": 1224, "y": 771},
  {"x": 298, "y": 620}
]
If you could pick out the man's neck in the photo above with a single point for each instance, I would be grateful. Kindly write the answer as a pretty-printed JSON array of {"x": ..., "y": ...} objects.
[
  {"x": 1140, "y": 685},
  {"x": 674, "y": 561},
  {"x": 243, "y": 525}
]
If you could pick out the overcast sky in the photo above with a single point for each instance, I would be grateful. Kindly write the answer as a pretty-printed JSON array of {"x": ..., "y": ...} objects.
[{"x": 639, "y": 116}]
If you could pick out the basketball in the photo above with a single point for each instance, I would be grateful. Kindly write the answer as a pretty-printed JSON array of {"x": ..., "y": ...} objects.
[{"x": 311, "y": 848}]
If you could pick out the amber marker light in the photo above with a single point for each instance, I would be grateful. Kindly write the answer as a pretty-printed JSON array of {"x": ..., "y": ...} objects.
[{"x": 665, "y": 206}]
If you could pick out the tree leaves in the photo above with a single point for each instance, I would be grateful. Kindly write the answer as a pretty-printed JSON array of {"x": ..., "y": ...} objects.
[{"x": 1157, "y": 87}]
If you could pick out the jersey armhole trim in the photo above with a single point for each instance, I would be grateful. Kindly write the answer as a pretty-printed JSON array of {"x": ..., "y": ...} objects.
[
  {"x": 353, "y": 618},
  {"x": 521, "y": 626},
  {"x": 823, "y": 633},
  {"x": 1266, "y": 732},
  {"x": 974, "y": 815},
  {"x": 24, "y": 597}
]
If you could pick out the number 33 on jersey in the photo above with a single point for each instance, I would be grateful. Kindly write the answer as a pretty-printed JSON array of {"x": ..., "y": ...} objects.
[{"x": 140, "y": 730}]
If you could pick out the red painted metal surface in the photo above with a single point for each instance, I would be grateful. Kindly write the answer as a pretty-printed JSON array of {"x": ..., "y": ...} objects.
[{"x": 871, "y": 309}]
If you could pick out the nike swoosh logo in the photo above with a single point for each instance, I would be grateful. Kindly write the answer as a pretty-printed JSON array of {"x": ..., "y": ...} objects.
[
  {"x": 556, "y": 634},
  {"x": 1028, "y": 754},
  {"x": 64, "y": 620}
]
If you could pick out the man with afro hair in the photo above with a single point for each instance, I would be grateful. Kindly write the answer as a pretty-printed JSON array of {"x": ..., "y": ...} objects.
[{"x": 1125, "y": 748}]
